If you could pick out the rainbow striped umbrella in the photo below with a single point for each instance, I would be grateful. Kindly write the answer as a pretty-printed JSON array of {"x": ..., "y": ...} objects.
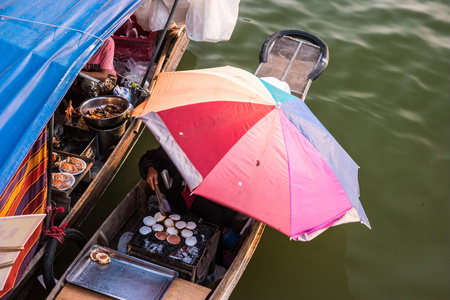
[{"x": 254, "y": 148}]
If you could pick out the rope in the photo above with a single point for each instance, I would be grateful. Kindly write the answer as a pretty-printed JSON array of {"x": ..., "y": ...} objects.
[
  {"x": 51, "y": 25},
  {"x": 56, "y": 232},
  {"x": 68, "y": 28}
]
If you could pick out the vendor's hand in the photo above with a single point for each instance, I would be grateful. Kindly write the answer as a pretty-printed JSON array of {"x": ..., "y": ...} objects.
[{"x": 152, "y": 177}]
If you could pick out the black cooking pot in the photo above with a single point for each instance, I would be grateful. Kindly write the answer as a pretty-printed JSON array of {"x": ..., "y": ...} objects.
[{"x": 101, "y": 102}]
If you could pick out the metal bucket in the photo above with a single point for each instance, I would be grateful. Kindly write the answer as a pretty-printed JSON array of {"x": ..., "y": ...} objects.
[{"x": 109, "y": 137}]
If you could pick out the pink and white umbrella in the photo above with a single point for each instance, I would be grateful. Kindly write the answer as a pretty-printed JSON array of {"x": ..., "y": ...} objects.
[{"x": 243, "y": 143}]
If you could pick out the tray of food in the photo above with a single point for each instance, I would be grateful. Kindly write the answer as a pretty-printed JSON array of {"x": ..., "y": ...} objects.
[
  {"x": 68, "y": 170},
  {"x": 62, "y": 181},
  {"x": 72, "y": 165},
  {"x": 121, "y": 276}
]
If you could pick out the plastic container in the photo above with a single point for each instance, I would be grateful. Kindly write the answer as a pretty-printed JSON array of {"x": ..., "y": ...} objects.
[
  {"x": 230, "y": 238},
  {"x": 124, "y": 93}
]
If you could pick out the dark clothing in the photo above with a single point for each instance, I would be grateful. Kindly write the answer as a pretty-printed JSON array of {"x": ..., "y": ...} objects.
[
  {"x": 158, "y": 159},
  {"x": 202, "y": 207}
]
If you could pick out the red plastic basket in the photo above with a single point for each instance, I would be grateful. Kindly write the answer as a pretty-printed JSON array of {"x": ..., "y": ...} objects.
[{"x": 141, "y": 49}]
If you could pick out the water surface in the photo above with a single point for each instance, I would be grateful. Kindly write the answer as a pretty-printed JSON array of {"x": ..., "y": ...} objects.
[{"x": 384, "y": 97}]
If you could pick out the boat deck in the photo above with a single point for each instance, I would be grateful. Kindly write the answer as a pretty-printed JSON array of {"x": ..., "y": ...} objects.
[{"x": 295, "y": 57}]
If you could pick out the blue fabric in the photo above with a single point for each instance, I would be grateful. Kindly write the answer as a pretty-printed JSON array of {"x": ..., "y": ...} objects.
[
  {"x": 44, "y": 44},
  {"x": 343, "y": 166},
  {"x": 278, "y": 94}
]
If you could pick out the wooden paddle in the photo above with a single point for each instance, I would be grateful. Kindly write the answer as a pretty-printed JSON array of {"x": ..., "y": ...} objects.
[
  {"x": 6, "y": 265},
  {"x": 11, "y": 248}
]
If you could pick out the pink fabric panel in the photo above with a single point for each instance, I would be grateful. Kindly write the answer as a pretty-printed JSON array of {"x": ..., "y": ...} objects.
[
  {"x": 253, "y": 177},
  {"x": 317, "y": 195}
]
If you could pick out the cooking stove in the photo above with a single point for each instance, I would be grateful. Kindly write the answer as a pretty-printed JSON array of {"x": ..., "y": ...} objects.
[{"x": 191, "y": 262}]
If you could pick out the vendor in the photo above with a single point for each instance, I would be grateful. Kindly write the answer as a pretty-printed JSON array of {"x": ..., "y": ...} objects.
[
  {"x": 156, "y": 160},
  {"x": 100, "y": 66}
]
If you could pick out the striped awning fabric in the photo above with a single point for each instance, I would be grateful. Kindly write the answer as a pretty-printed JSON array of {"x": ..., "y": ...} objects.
[{"x": 26, "y": 193}]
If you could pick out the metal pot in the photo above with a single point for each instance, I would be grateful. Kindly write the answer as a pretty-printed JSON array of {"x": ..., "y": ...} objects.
[
  {"x": 108, "y": 137},
  {"x": 102, "y": 101}
]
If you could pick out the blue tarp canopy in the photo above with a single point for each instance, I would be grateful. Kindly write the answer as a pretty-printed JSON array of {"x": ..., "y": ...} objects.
[{"x": 43, "y": 45}]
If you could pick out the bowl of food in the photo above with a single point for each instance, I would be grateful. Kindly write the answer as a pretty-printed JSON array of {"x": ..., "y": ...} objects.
[{"x": 104, "y": 111}]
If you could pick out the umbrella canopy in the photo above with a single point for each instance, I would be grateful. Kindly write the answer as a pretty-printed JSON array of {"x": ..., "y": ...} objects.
[{"x": 243, "y": 143}]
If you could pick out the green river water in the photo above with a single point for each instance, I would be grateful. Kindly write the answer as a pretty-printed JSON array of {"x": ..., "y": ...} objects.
[{"x": 384, "y": 97}]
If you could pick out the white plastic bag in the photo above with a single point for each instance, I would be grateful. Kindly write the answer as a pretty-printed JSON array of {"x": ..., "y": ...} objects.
[
  {"x": 179, "y": 17},
  {"x": 211, "y": 20},
  {"x": 142, "y": 15},
  {"x": 152, "y": 15}
]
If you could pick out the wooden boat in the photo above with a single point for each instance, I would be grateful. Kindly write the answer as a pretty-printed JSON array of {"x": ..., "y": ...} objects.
[
  {"x": 285, "y": 48},
  {"x": 92, "y": 184},
  {"x": 175, "y": 45}
]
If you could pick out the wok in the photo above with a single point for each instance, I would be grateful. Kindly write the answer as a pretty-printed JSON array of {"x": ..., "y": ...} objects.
[{"x": 101, "y": 102}]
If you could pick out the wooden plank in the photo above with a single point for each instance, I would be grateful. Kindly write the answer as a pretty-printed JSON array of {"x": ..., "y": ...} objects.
[
  {"x": 177, "y": 49},
  {"x": 181, "y": 290},
  {"x": 11, "y": 248},
  {"x": 186, "y": 290},
  {"x": 73, "y": 292},
  {"x": 6, "y": 265}
]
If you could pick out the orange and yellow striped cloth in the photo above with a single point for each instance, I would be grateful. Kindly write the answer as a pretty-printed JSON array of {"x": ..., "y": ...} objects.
[{"x": 26, "y": 193}]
